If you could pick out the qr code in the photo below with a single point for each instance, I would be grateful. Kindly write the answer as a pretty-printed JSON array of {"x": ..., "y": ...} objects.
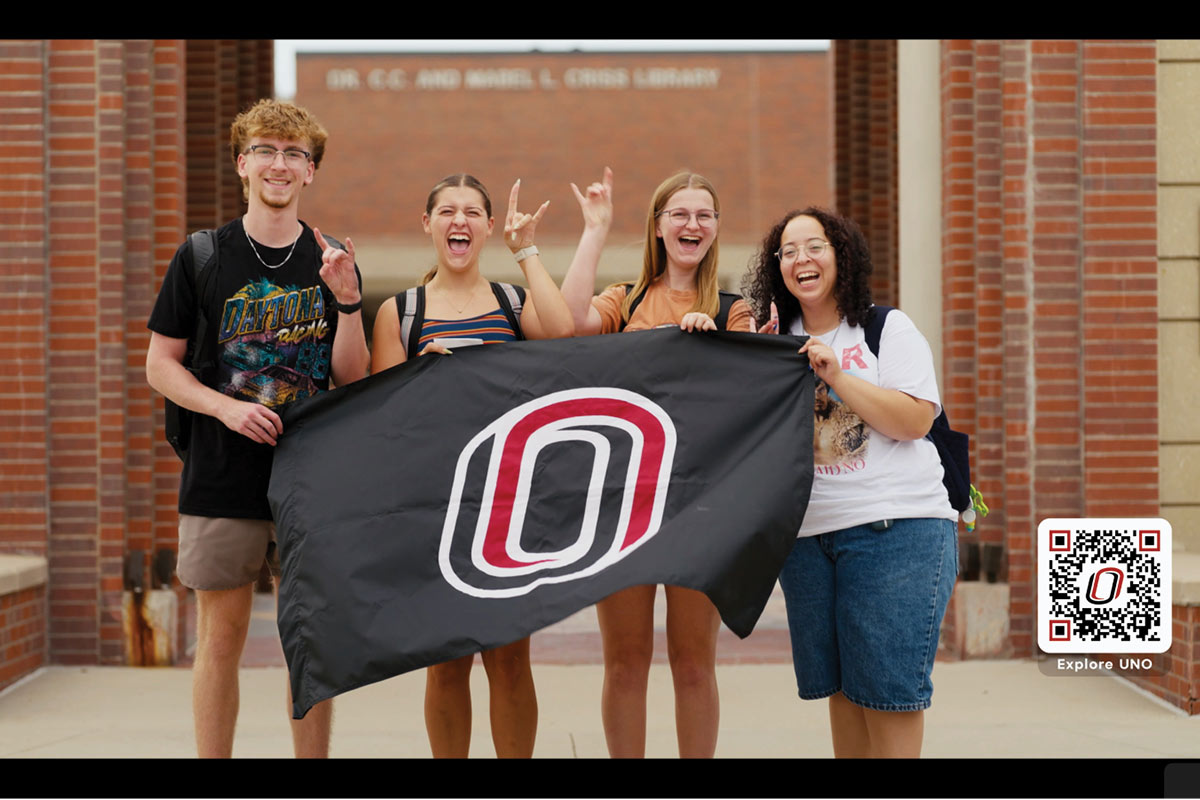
[{"x": 1104, "y": 586}]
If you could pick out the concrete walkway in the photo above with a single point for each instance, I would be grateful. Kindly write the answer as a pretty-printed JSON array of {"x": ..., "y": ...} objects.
[{"x": 982, "y": 709}]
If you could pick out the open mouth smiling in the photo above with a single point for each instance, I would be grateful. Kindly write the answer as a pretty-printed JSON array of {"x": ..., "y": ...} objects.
[
  {"x": 806, "y": 277},
  {"x": 459, "y": 243}
]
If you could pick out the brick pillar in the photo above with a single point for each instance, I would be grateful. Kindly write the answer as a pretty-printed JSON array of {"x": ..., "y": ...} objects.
[
  {"x": 1120, "y": 278},
  {"x": 138, "y": 292},
  {"x": 92, "y": 207},
  {"x": 224, "y": 77},
  {"x": 167, "y": 173},
  {"x": 865, "y": 156},
  {"x": 111, "y": 372},
  {"x": 90, "y": 117},
  {"x": 1050, "y": 285},
  {"x": 24, "y": 347},
  {"x": 72, "y": 73}
]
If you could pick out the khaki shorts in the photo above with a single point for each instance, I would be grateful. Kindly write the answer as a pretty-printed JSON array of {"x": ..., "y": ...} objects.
[{"x": 218, "y": 553}]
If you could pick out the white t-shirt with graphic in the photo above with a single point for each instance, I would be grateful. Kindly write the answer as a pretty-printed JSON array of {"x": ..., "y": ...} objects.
[{"x": 859, "y": 474}]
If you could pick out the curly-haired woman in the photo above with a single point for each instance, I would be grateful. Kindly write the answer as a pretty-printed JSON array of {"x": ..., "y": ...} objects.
[{"x": 871, "y": 573}]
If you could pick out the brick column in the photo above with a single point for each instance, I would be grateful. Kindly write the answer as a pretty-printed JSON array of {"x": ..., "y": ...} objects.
[
  {"x": 24, "y": 349},
  {"x": 74, "y": 313},
  {"x": 865, "y": 154},
  {"x": 166, "y": 172},
  {"x": 1120, "y": 278},
  {"x": 1050, "y": 284},
  {"x": 224, "y": 77},
  {"x": 92, "y": 206}
]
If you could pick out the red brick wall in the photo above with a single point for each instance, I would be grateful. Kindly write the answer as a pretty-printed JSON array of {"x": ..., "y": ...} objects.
[
  {"x": 1050, "y": 284},
  {"x": 1180, "y": 685},
  {"x": 224, "y": 77},
  {"x": 92, "y": 206},
  {"x": 24, "y": 351},
  {"x": 762, "y": 135},
  {"x": 22, "y": 633},
  {"x": 865, "y": 158}
]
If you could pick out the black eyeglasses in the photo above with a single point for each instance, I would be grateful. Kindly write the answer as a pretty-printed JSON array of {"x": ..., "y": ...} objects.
[{"x": 265, "y": 154}]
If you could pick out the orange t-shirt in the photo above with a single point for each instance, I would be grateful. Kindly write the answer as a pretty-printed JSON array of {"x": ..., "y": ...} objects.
[{"x": 660, "y": 305}]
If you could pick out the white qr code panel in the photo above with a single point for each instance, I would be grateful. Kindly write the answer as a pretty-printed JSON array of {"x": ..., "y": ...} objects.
[{"x": 1104, "y": 585}]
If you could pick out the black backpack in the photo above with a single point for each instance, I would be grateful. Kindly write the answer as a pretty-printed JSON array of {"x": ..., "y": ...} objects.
[
  {"x": 952, "y": 446},
  {"x": 722, "y": 319},
  {"x": 205, "y": 266},
  {"x": 410, "y": 310}
]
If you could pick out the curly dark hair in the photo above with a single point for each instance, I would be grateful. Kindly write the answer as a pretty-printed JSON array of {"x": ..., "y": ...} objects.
[{"x": 763, "y": 282}]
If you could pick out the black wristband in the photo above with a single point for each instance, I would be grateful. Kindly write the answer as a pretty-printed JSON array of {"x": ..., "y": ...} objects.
[{"x": 348, "y": 308}]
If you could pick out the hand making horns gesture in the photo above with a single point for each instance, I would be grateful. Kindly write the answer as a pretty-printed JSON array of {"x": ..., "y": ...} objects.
[
  {"x": 337, "y": 269},
  {"x": 597, "y": 203},
  {"x": 518, "y": 227}
]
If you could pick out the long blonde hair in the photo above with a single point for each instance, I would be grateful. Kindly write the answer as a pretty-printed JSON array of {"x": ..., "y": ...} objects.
[{"x": 654, "y": 259}]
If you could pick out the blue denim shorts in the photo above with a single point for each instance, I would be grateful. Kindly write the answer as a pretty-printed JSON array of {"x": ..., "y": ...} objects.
[{"x": 864, "y": 609}]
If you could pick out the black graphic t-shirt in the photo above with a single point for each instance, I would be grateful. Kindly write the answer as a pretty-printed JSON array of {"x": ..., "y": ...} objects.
[{"x": 270, "y": 341}]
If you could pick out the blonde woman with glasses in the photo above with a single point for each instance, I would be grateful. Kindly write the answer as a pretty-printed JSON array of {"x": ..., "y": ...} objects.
[{"x": 677, "y": 287}]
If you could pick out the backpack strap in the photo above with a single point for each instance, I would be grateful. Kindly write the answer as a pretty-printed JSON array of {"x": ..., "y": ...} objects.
[
  {"x": 205, "y": 265},
  {"x": 512, "y": 300},
  {"x": 727, "y": 300},
  {"x": 952, "y": 445},
  {"x": 177, "y": 421},
  {"x": 873, "y": 330},
  {"x": 637, "y": 301},
  {"x": 410, "y": 309}
]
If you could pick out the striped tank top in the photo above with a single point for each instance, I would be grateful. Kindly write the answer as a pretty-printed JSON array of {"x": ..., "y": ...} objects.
[{"x": 492, "y": 327}]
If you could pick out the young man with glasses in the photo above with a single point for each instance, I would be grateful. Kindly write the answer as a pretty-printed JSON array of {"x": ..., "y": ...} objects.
[{"x": 277, "y": 317}]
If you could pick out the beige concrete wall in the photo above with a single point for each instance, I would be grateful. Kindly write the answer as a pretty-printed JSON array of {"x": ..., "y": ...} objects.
[
  {"x": 1179, "y": 287},
  {"x": 919, "y": 147}
]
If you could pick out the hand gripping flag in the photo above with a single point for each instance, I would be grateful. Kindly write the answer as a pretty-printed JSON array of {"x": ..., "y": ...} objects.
[{"x": 458, "y": 503}]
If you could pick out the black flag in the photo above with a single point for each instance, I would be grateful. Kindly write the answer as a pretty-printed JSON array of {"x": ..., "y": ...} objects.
[{"x": 458, "y": 503}]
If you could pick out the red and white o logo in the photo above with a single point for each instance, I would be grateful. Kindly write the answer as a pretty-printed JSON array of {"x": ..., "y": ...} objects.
[
  {"x": 517, "y": 437},
  {"x": 1099, "y": 596}
]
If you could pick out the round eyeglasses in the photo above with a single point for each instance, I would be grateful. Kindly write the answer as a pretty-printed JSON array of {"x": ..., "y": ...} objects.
[
  {"x": 679, "y": 217},
  {"x": 814, "y": 248}
]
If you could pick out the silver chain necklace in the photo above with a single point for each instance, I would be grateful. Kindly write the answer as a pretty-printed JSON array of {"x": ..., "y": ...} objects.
[
  {"x": 470, "y": 297},
  {"x": 260, "y": 258},
  {"x": 833, "y": 338}
]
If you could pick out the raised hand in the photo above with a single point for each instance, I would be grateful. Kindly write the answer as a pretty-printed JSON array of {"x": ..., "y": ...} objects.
[
  {"x": 519, "y": 228},
  {"x": 772, "y": 324},
  {"x": 337, "y": 270},
  {"x": 596, "y": 204}
]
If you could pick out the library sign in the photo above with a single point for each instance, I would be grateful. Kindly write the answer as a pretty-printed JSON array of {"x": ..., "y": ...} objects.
[{"x": 518, "y": 79}]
